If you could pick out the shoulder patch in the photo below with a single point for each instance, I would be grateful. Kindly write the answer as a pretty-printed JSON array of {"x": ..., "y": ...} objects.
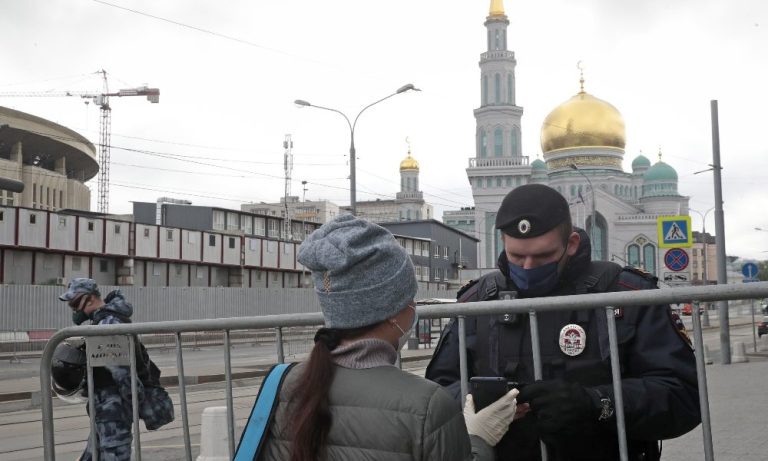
[
  {"x": 680, "y": 328},
  {"x": 464, "y": 289},
  {"x": 635, "y": 279}
]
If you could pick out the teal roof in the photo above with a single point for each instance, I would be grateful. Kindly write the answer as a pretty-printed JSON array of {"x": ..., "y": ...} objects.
[
  {"x": 640, "y": 161},
  {"x": 660, "y": 172},
  {"x": 538, "y": 165}
]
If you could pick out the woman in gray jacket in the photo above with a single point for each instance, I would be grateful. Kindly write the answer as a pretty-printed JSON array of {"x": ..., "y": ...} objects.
[{"x": 349, "y": 401}]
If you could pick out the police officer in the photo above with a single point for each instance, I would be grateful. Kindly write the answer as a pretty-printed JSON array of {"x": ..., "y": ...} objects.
[
  {"x": 572, "y": 409},
  {"x": 112, "y": 384}
]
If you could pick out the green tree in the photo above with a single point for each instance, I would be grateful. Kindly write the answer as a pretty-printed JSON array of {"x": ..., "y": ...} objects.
[{"x": 762, "y": 271}]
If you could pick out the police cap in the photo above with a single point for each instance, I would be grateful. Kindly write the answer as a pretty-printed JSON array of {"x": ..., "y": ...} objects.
[
  {"x": 80, "y": 286},
  {"x": 531, "y": 210}
]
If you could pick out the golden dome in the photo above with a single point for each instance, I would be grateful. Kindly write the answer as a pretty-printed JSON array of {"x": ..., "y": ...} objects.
[
  {"x": 497, "y": 8},
  {"x": 583, "y": 121},
  {"x": 409, "y": 163}
]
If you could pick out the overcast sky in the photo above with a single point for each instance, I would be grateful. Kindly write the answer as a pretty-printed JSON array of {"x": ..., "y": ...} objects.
[{"x": 227, "y": 96}]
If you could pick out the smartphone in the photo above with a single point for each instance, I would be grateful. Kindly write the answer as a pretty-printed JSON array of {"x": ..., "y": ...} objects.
[{"x": 487, "y": 389}]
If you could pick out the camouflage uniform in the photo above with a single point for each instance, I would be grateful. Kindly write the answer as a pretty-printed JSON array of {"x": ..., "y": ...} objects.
[{"x": 112, "y": 384}]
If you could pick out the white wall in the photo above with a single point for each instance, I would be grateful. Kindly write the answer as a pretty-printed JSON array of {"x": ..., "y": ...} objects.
[
  {"x": 118, "y": 235},
  {"x": 190, "y": 245},
  {"x": 270, "y": 250},
  {"x": 33, "y": 234},
  {"x": 211, "y": 253},
  {"x": 7, "y": 226},
  {"x": 146, "y": 241},
  {"x": 90, "y": 240},
  {"x": 62, "y": 232},
  {"x": 169, "y": 243}
]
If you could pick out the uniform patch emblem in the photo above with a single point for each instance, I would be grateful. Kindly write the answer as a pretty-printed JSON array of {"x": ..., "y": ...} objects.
[
  {"x": 524, "y": 226},
  {"x": 573, "y": 340}
]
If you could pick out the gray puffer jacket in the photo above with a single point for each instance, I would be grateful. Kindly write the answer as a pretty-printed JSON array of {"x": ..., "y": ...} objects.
[{"x": 383, "y": 413}]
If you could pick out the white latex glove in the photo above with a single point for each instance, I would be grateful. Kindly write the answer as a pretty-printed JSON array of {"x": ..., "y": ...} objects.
[{"x": 493, "y": 421}]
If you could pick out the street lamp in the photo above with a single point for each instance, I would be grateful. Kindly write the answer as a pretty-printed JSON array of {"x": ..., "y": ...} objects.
[
  {"x": 594, "y": 213},
  {"x": 352, "y": 125},
  {"x": 704, "y": 237}
]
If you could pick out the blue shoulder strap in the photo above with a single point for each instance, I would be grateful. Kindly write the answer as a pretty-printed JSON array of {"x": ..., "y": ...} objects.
[{"x": 262, "y": 413}]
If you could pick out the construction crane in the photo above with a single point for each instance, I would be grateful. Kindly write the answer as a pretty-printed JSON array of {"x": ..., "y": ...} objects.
[
  {"x": 105, "y": 124},
  {"x": 288, "y": 162}
]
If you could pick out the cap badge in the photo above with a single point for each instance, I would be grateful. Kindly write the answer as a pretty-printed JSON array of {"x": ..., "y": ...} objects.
[
  {"x": 524, "y": 226},
  {"x": 573, "y": 340}
]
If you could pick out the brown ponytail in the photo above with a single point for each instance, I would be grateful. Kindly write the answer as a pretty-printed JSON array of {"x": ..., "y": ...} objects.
[{"x": 311, "y": 417}]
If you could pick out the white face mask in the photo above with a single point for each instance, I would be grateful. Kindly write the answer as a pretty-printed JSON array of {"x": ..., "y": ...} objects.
[{"x": 407, "y": 333}]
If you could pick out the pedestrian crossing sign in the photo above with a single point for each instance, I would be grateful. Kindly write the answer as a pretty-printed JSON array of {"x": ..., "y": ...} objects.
[{"x": 675, "y": 231}]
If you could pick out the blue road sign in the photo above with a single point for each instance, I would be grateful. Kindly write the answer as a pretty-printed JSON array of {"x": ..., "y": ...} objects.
[
  {"x": 749, "y": 270},
  {"x": 676, "y": 259},
  {"x": 674, "y": 231}
]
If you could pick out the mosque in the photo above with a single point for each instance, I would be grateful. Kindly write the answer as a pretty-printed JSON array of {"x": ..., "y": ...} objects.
[{"x": 582, "y": 144}]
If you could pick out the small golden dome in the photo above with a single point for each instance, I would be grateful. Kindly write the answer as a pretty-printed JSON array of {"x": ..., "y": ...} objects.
[
  {"x": 497, "y": 8},
  {"x": 583, "y": 121},
  {"x": 409, "y": 163}
]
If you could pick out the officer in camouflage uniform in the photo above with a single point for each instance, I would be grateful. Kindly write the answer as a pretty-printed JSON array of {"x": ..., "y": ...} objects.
[
  {"x": 112, "y": 384},
  {"x": 571, "y": 409}
]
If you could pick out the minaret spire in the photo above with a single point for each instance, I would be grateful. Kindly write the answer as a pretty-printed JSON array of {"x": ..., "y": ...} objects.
[
  {"x": 497, "y": 8},
  {"x": 581, "y": 76}
]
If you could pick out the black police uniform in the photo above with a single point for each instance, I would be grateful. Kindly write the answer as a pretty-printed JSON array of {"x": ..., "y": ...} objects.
[{"x": 658, "y": 370}]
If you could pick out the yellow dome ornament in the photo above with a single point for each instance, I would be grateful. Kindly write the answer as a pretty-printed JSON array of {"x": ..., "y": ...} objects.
[
  {"x": 409, "y": 163},
  {"x": 582, "y": 121}
]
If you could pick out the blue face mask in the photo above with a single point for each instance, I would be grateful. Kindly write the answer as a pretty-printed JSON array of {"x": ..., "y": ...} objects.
[{"x": 537, "y": 281}]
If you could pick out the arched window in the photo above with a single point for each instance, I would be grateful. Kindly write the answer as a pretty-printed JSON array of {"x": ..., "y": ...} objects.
[
  {"x": 633, "y": 255},
  {"x": 485, "y": 90},
  {"x": 483, "y": 144},
  {"x": 510, "y": 86},
  {"x": 649, "y": 258},
  {"x": 513, "y": 144},
  {"x": 497, "y": 90},
  {"x": 497, "y": 40},
  {"x": 599, "y": 239},
  {"x": 408, "y": 214},
  {"x": 498, "y": 142}
]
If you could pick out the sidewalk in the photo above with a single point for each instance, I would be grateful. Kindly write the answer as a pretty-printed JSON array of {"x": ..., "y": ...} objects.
[{"x": 739, "y": 415}]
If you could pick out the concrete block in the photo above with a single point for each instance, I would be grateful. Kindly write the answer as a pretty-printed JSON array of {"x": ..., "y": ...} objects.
[
  {"x": 762, "y": 345},
  {"x": 213, "y": 435},
  {"x": 707, "y": 356},
  {"x": 739, "y": 353}
]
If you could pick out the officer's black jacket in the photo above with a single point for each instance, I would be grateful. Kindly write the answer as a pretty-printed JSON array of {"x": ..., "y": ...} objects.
[{"x": 659, "y": 383}]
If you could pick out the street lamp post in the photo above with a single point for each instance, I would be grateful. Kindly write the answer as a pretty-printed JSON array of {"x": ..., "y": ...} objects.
[
  {"x": 352, "y": 125},
  {"x": 594, "y": 213},
  {"x": 704, "y": 262}
]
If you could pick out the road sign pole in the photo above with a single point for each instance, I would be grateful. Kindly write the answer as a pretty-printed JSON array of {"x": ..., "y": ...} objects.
[
  {"x": 722, "y": 277},
  {"x": 754, "y": 328}
]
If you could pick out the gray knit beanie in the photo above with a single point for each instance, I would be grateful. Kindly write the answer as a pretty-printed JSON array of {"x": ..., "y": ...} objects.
[{"x": 362, "y": 275}]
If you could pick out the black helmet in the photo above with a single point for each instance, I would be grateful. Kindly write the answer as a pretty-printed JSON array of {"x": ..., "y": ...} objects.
[{"x": 68, "y": 374}]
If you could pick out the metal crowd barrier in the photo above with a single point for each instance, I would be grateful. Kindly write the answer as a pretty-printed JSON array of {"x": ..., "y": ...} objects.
[{"x": 115, "y": 334}]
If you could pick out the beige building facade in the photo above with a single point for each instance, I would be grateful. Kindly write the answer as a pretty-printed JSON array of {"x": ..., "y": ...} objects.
[{"x": 52, "y": 161}]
